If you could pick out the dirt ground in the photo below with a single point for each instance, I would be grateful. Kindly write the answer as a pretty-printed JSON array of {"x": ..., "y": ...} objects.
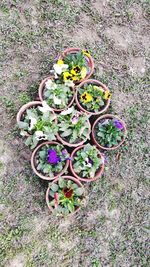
[{"x": 112, "y": 230}]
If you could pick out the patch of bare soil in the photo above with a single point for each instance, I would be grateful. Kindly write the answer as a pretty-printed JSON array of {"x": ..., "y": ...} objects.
[
  {"x": 18, "y": 261},
  {"x": 121, "y": 36},
  {"x": 102, "y": 6},
  {"x": 121, "y": 100},
  {"x": 85, "y": 31},
  {"x": 137, "y": 66}
]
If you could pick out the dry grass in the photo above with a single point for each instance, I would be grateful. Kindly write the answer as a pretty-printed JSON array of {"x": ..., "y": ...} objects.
[{"x": 113, "y": 229}]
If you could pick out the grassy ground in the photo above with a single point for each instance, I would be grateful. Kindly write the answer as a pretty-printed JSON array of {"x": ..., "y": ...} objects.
[{"x": 113, "y": 228}]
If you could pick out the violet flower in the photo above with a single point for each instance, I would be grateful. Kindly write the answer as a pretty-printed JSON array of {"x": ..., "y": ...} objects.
[
  {"x": 104, "y": 122},
  {"x": 75, "y": 119},
  {"x": 118, "y": 124},
  {"x": 89, "y": 162},
  {"x": 64, "y": 152},
  {"x": 52, "y": 157}
]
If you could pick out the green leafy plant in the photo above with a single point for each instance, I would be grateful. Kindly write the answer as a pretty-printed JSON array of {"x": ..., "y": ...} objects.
[
  {"x": 109, "y": 132},
  {"x": 65, "y": 196},
  {"x": 92, "y": 97},
  {"x": 73, "y": 125},
  {"x": 77, "y": 59},
  {"x": 86, "y": 161},
  {"x": 51, "y": 159},
  {"x": 39, "y": 123},
  {"x": 57, "y": 94},
  {"x": 73, "y": 67}
]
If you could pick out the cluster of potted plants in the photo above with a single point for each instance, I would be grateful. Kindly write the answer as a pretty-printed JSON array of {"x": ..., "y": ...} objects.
[{"x": 66, "y": 131}]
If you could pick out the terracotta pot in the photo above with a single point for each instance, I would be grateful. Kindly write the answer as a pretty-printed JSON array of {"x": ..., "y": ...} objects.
[
  {"x": 41, "y": 90},
  {"x": 108, "y": 116},
  {"x": 76, "y": 144},
  {"x": 89, "y": 60},
  {"x": 98, "y": 83},
  {"x": 55, "y": 181},
  {"x": 23, "y": 109},
  {"x": 98, "y": 173},
  {"x": 33, "y": 164}
]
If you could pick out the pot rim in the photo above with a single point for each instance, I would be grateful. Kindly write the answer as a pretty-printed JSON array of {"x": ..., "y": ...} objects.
[
  {"x": 99, "y": 171},
  {"x": 48, "y": 178},
  {"x": 89, "y": 57},
  {"x": 105, "y": 117},
  {"x": 76, "y": 144},
  {"x": 69, "y": 177},
  {"x": 25, "y": 107},
  {"x": 41, "y": 89},
  {"x": 92, "y": 81}
]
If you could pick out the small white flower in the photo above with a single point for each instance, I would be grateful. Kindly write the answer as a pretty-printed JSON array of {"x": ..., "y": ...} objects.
[
  {"x": 52, "y": 72},
  {"x": 33, "y": 122},
  {"x": 89, "y": 165},
  {"x": 39, "y": 135},
  {"x": 69, "y": 83},
  {"x": 45, "y": 107},
  {"x": 68, "y": 111},
  {"x": 48, "y": 84},
  {"x": 55, "y": 75},
  {"x": 57, "y": 101},
  {"x": 59, "y": 68}
]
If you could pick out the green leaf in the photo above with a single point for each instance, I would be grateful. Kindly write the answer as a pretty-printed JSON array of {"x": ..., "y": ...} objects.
[
  {"x": 23, "y": 125},
  {"x": 42, "y": 154},
  {"x": 28, "y": 141},
  {"x": 51, "y": 193},
  {"x": 61, "y": 182},
  {"x": 52, "y": 203},
  {"x": 54, "y": 187},
  {"x": 70, "y": 207},
  {"x": 79, "y": 191},
  {"x": 66, "y": 133}
]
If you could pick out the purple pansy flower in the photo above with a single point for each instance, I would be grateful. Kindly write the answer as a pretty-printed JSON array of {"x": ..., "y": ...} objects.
[
  {"x": 104, "y": 122},
  {"x": 64, "y": 152},
  {"x": 118, "y": 124},
  {"x": 90, "y": 161},
  {"x": 52, "y": 157},
  {"x": 75, "y": 119}
]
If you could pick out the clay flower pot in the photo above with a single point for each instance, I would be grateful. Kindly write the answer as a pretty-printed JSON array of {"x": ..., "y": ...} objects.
[
  {"x": 97, "y": 83},
  {"x": 64, "y": 142},
  {"x": 88, "y": 58},
  {"x": 55, "y": 181},
  {"x": 108, "y": 116},
  {"x": 33, "y": 162},
  {"x": 41, "y": 91},
  {"x": 98, "y": 174},
  {"x": 23, "y": 109}
]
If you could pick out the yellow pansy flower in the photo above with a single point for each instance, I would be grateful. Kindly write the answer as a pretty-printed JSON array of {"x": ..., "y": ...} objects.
[
  {"x": 107, "y": 95},
  {"x": 76, "y": 70},
  {"x": 86, "y": 53},
  {"x": 60, "y": 62},
  {"x": 67, "y": 76},
  {"x": 86, "y": 97},
  {"x": 73, "y": 72},
  {"x": 83, "y": 72},
  {"x": 75, "y": 78}
]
